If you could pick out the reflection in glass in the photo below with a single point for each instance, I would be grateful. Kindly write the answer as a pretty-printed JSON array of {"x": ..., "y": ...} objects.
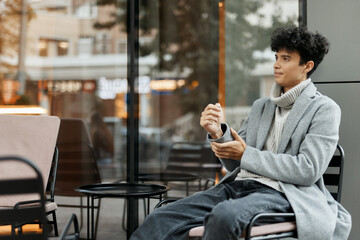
[
  {"x": 186, "y": 48},
  {"x": 71, "y": 68},
  {"x": 249, "y": 60},
  {"x": 182, "y": 38},
  {"x": 75, "y": 66}
]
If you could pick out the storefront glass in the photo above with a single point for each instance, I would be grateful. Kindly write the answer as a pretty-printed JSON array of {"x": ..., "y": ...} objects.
[
  {"x": 248, "y": 57},
  {"x": 69, "y": 59},
  {"x": 182, "y": 38}
]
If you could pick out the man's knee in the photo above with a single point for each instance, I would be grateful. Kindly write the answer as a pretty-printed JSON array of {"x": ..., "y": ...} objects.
[
  {"x": 222, "y": 222},
  {"x": 223, "y": 216}
]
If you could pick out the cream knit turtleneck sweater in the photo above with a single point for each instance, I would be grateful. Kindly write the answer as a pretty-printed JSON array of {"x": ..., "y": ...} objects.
[{"x": 284, "y": 103}]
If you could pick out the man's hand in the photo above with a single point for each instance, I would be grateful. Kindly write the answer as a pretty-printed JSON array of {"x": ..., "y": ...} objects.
[
  {"x": 230, "y": 150},
  {"x": 211, "y": 119}
]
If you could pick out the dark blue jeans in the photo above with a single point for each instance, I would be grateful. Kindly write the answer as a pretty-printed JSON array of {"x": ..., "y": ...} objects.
[{"x": 224, "y": 210}]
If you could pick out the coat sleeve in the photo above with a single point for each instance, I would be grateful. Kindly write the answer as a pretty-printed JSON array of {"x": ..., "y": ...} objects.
[
  {"x": 312, "y": 157},
  {"x": 230, "y": 164}
]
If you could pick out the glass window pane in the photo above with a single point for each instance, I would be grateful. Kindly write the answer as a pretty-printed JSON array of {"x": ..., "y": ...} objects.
[
  {"x": 179, "y": 64},
  {"x": 63, "y": 57},
  {"x": 183, "y": 44},
  {"x": 248, "y": 57}
]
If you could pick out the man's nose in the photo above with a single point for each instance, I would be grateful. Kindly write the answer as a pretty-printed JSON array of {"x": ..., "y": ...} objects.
[{"x": 276, "y": 65}]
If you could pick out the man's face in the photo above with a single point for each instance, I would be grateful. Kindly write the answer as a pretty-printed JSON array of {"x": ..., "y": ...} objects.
[{"x": 287, "y": 71}]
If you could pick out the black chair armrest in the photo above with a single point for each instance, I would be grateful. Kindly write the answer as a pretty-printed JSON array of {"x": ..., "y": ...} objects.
[
  {"x": 164, "y": 202},
  {"x": 29, "y": 202},
  {"x": 290, "y": 217},
  {"x": 22, "y": 203},
  {"x": 208, "y": 181}
]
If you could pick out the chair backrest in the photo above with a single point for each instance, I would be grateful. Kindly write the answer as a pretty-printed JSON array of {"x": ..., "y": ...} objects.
[
  {"x": 31, "y": 137},
  {"x": 193, "y": 157},
  {"x": 77, "y": 164},
  {"x": 13, "y": 185},
  {"x": 334, "y": 174}
]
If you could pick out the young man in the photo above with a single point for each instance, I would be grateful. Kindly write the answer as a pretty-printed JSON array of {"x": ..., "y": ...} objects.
[{"x": 276, "y": 160}]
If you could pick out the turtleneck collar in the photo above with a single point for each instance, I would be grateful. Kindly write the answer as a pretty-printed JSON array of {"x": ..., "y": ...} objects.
[{"x": 286, "y": 100}]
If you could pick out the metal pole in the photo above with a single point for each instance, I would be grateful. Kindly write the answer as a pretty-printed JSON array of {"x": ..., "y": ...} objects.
[
  {"x": 133, "y": 111},
  {"x": 21, "y": 76},
  {"x": 222, "y": 88},
  {"x": 303, "y": 13}
]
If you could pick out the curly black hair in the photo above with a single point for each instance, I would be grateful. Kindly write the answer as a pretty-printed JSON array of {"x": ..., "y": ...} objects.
[{"x": 310, "y": 46}]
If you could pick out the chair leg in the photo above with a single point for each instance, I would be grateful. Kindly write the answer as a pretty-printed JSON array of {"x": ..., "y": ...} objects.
[
  {"x": 81, "y": 212},
  {"x": 124, "y": 215},
  {"x": 13, "y": 230},
  {"x": 54, "y": 222},
  {"x": 145, "y": 209},
  {"x": 97, "y": 217}
]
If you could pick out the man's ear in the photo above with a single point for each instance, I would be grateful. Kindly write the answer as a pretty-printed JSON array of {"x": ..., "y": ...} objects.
[{"x": 309, "y": 66}]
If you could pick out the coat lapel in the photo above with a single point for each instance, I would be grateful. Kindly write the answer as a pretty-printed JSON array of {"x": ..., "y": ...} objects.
[
  {"x": 296, "y": 113},
  {"x": 265, "y": 124}
]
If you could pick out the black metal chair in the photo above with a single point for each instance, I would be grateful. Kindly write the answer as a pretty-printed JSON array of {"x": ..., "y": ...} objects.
[
  {"x": 50, "y": 204},
  {"x": 333, "y": 180},
  {"x": 193, "y": 157},
  {"x": 187, "y": 162},
  {"x": 29, "y": 213},
  {"x": 77, "y": 164},
  {"x": 277, "y": 230}
]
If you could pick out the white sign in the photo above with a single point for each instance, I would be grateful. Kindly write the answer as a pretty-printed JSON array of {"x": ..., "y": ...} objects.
[{"x": 108, "y": 88}]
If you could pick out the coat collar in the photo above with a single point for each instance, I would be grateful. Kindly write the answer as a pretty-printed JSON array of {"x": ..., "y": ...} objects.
[
  {"x": 301, "y": 104},
  {"x": 265, "y": 123}
]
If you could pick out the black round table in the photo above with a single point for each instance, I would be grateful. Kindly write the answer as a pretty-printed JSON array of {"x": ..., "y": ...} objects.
[
  {"x": 166, "y": 177},
  {"x": 117, "y": 190}
]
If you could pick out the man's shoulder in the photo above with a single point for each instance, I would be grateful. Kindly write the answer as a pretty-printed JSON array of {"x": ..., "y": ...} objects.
[
  {"x": 325, "y": 105},
  {"x": 325, "y": 100}
]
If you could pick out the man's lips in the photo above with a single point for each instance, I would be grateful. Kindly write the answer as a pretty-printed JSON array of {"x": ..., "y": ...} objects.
[{"x": 277, "y": 74}]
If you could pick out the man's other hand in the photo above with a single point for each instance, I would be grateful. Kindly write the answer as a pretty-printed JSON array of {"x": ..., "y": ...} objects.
[{"x": 230, "y": 150}]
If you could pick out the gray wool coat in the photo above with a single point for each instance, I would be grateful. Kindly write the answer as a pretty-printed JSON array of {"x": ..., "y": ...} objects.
[{"x": 308, "y": 142}]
